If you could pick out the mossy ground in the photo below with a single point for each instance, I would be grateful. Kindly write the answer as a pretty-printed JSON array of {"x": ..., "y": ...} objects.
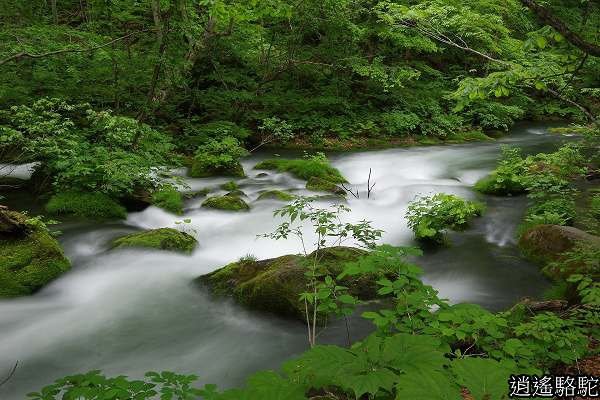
[
  {"x": 276, "y": 195},
  {"x": 86, "y": 205},
  {"x": 162, "y": 239},
  {"x": 28, "y": 263},
  {"x": 303, "y": 169},
  {"x": 197, "y": 170},
  {"x": 274, "y": 285},
  {"x": 227, "y": 202},
  {"x": 168, "y": 198},
  {"x": 321, "y": 185}
]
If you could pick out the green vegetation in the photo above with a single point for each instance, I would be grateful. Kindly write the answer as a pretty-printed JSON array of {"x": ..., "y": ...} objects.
[
  {"x": 85, "y": 205},
  {"x": 230, "y": 186},
  {"x": 162, "y": 239},
  {"x": 218, "y": 158},
  {"x": 430, "y": 217},
  {"x": 168, "y": 198},
  {"x": 316, "y": 166},
  {"x": 277, "y": 195},
  {"x": 507, "y": 178},
  {"x": 321, "y": 185},
  {"x": 227, "y": 202},
  {"x": 29, "y": 261}
]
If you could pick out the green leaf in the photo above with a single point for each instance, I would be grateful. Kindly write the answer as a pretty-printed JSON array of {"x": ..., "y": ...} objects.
[
  {"x": 423, "y": 385},
  {"x": 484, "y": 378}
]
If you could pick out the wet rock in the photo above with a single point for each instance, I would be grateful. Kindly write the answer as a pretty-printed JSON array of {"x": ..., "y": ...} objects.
[
  {"x": 227, "y": 202},
  {"x": 162, "y": 239}
]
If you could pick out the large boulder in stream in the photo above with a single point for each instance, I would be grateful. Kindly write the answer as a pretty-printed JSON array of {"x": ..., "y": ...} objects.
[
  {"x": 161, "y": 239},
  {"x": 29, "y": 256},
  {"x": 546, "y": 243},
  {"x": 274, "y": 285}
]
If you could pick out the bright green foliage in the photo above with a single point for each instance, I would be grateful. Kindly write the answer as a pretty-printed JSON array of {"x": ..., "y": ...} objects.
[
  {"x": 430, "y": 217},
  {"x": 230, "y": 186},
  {"x": 83, "y": 150},
  {"x": 29, "y": 263},
  {"x": 162, "y": 239},
  {"x": 85, "y": 205},
  {"x": 507, "y": 178},
  {"x": 227, "y": 202},
  {"x": 218, "y": 157},
  {"x": 168, "y": 198},
  {"x": 197, "y": 134},
  {"x": 309, "y": 167}
]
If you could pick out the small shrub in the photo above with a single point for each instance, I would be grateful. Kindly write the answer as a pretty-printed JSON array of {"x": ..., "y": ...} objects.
[
  {"x": 218, "y": 157},
  {"x": 429, "y": 217},
  {"x": 595, "y": 206},
  {"x": 86, "y": 205},
  {"x": 229, "y": 186},
  {"x": 248, "y": 258},
  {"x": 508, "y": 178},
  {"x": 168, "y": 198},
  {"x": 560, "y": 210}
]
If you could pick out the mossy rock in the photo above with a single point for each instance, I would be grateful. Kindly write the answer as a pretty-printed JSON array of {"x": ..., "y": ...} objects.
[
  {"x": 168, "y": 198},
  {"x": 276, "y": 195},
  {"x": 231, "y": 203},
  {"x": 303, "y": 169},
  {"x": 545, "y": 244},
  {"x": 197, "y": 170},
  {"x": 230, "y": 186},
  {"x": 29, "y": 262},
  {"x": 321, "y": 185},
  {"x": 274, "y": 285},
  {"x": 86, "y": 205},
  {"x": 162, "y": 239},
  {"x": 197, "y": 193},
  {"x": 236, "y": 193},
  {"x": 494, "y": 186}
]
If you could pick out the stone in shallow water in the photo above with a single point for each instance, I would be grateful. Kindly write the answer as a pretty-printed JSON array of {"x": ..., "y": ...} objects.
[{"x": 162, "y": 239}]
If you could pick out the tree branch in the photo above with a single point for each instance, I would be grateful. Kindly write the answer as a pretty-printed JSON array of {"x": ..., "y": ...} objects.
[
  {"x": 550, "y": 19},
  {"x": 10, "y": 374},
  {"x": 24, "y": 54}
]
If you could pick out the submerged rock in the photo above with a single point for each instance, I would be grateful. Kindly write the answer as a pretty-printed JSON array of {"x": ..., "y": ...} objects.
[
  {"x": 276, "y": 195},
  {"x": 274, "y": 285},
  {"x": 29, "y": 256},
  {"x": 162, "y": 239},
  {"x": 545, "y": 243},
  {"x": 227, "y": 202},
  {"x": 321, "y": 185}
]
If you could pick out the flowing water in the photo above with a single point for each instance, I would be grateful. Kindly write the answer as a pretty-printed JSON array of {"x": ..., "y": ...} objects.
[{"x": 130, "y": 311}]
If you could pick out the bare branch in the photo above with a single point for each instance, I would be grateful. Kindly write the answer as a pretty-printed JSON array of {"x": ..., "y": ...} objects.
[{"x": 10, "y": 374}]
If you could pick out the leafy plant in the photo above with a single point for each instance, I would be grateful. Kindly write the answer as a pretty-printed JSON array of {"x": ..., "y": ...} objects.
[{"x": 429, "y": 217}]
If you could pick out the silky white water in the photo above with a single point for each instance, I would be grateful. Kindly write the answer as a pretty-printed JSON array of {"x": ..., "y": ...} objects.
[{"x": 131, "y": 311}]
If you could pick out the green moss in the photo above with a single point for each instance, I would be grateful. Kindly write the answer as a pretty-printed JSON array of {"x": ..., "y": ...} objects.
[
  {"x": 229, "y": 186},
  {"x": 321, "y": 185},
  {"x": 28, "y": 263},
  {"x": 276, "y": 195},
  {"x": 199, "y": 170},
  {"x": 198, "y": 193},
  {"x": 499, "y": 186},
  {"x": 236, "y": 193},
  {"x": 274, "y": 285},
  {"x": 231, "y": 203},
  {"x": 304, "y": 169},
  {"x": 168, "y": 198},
  {"x": 163, "y": 239},
  {"x": 87, "y": 205}
]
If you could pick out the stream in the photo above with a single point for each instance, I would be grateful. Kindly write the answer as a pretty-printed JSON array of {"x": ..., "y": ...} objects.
[{"x": 131, "y": 311}]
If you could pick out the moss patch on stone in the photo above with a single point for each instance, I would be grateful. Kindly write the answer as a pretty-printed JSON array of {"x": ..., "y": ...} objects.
[
  {"x": 162, "y": 239},
  {"x": 227, "y": 202},
  {"x": 86, "y": 205},
  {"x": 168, "y": 198},
  {"x": 274, "y": 285},
  {"x": 276, "y": 195},
  {"x": 321, "y": 185},
  {"x": 303, "y": 169},
  {"x": 30, "y": 262},
  {"x": 230, "y": 186},
  {"x": 198, "y": 170}
]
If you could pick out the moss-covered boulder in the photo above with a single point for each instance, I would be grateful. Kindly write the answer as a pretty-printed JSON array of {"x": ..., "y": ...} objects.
[
  {"x": 274, "y": 285},
  {"x": 199, "y": 169},
  {"x": 276, "y": 195},
  {"x": 230, "y": 186},
  {"x": 86, "y": 205},
  {"x": 236, "y": 193},
  {"x": 304, "y": 168},
  {"x": 321, "y": 185},
  {"x": 29, "y": 256},
  {"x": 168, "y": 198},
  {"x": 230, "y": 203},
  {"x": 500, "y": 185},
  {"x": 162, "y": 239},
  {"x": 546, "y": 243}
]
